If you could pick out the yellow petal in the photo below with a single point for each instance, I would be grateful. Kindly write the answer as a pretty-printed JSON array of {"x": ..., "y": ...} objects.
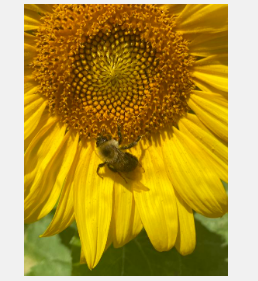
[
  {"x": 157, "y": 207},
  {"x": 30, "y": 87},
  {"x": 186, "y": 238},
  {"x": 212, "y": 64},
  {"x": 29, "y": 39},
  {"x": 43, "y": 145},
  {"x": 173, "y": 9},
  {"x": 210, "y": 18},
  {"x": 42, "y": 122},
  {"x": 64, "y": 214},
  {"x": 30, "y": 90},
  {"x": 50, "y": 178},
  {"x": 92, "y": 206},
  {"x": 32, "y": 103},
  {"x": 29, "y": 100},
  {"x": 29, "y": 54},
  {"x": 32, "y": 113},
  {"x": 211, "y": 110},
  {"x": 192, "y": 177},
  {"x": 109, "y": 242},
  {"x": 209, "y": 145},
  {"x": 212, "y": 70},
  {"x": 193, "y": 118},
  {"x": 211, "y": 44},
  {"x": 29, "y": 78},
  {"x": 126, "y": 223},
  {"x": 39, "y": 8},
  {"x": 213, "y": 97},
  {"x": 33, "y": 14},
  {"x": 202, "y": 85},
  {"x": 205, "y": 136},
  {"x": 28, "y": 73},
  {"x": 31, "y": 20}
]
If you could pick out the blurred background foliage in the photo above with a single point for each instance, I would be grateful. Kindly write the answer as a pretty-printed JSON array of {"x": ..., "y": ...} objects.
[{"x": 60, "y": 254}]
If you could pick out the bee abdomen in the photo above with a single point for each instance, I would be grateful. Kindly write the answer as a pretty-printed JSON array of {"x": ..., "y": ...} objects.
[{"x": 129, "y": 164}]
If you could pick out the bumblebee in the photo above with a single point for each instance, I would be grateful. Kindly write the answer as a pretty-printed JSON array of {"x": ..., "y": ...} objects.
[{"x": 113, "y": 155}]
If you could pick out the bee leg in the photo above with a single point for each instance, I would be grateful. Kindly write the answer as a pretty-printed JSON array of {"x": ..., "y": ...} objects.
[
  {"x": 100, "y": 166},
  {"x": 116, "y": 171},
  {"x": 131, "y": 144},
  {"x": 120, "y": 139}
]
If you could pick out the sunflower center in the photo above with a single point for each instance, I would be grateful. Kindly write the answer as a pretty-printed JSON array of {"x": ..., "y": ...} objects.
[
  {"x": 104, "y": 65},
  {"x": 111, "y": 74}
]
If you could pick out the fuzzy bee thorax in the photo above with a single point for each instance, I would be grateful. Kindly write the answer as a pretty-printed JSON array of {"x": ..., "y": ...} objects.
[{"x": 108, "y": 150}]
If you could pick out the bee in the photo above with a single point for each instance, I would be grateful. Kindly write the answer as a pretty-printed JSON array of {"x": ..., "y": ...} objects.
[{"x": 113, "y": 155}]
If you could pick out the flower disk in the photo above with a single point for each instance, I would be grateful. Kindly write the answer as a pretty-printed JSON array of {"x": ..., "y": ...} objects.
[{"x": 103, "y": 65}]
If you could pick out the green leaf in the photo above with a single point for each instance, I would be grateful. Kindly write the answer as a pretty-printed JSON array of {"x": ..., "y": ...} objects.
[
  {"x": 45, "y": 256},
  {"x": 218, "y": 225},
  {"x": 225, "y": 185}
]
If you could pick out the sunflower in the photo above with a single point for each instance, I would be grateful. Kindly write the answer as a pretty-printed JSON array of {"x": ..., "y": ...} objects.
[{"x": 155, "y": 71}]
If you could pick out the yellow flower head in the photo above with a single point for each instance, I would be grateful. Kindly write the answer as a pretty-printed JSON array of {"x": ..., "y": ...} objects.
[{"x": 148, "y": 77}]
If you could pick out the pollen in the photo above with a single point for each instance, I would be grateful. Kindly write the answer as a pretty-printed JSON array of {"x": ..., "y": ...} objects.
[{"x": 103, "y": 65}]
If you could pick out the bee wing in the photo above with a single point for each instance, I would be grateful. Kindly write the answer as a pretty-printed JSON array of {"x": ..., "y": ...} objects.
[{"x": 121, "y": 156}]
